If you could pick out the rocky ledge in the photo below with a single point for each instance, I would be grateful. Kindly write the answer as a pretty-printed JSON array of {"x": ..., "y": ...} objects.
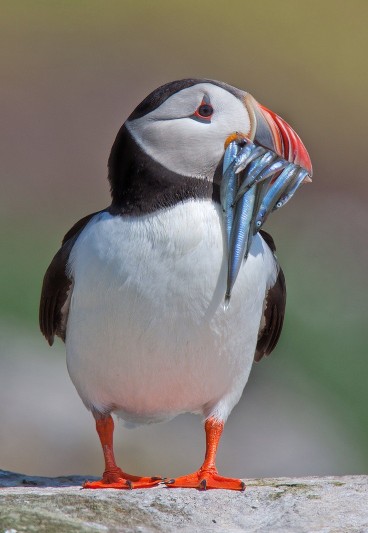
[{"x": 313, "y": 504}]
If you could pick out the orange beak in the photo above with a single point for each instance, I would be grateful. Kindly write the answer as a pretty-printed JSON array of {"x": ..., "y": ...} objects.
[{"x": 271, "y": 131}]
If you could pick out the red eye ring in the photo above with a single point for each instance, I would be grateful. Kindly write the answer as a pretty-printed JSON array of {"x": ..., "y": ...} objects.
[{"x": 204, "y": 111}]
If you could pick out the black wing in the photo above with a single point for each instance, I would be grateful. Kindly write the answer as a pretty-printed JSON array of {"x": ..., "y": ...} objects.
[
  {"x": 274, "y": 311},
  {"x": 57, "y": 286}
]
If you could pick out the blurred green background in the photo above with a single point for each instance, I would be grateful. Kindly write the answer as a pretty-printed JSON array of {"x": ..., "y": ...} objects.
[{"x": 71, "y": 72}]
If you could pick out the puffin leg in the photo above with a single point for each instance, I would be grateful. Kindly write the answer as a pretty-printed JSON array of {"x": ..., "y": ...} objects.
[
  {"x": 207, "y": 476},
  {"x": 113, "y": 477}
]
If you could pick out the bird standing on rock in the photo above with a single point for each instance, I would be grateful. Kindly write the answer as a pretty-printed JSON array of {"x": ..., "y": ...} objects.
[{"x": 137, "y": 290}]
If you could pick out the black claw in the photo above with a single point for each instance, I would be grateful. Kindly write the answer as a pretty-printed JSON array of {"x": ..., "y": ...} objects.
[
  {"x": 243, "y": 486},
  {"x": 170, "y": 481},
  {"x": 203, "y": 484},
  {"x": 129, "y": 484}
]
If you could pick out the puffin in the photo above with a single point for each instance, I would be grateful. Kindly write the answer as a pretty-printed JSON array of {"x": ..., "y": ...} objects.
[{"x": 136, "y": 290}]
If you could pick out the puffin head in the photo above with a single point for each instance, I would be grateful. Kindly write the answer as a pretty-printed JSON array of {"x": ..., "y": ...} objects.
[{"x": 172, "y": 146}]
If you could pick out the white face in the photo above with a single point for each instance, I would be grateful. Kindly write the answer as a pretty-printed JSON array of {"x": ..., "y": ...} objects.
[{"x": 178, "y": 140}]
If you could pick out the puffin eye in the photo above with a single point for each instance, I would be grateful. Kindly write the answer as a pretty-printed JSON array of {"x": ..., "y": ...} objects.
[{"x": 204, "y": 112}]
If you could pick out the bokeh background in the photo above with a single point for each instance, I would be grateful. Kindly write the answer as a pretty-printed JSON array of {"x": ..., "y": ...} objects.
[{"x": 71, "y": 72}]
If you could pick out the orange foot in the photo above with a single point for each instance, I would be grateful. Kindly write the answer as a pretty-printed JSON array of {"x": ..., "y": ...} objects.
[
  {"x": 206, "y": 479},
  {"x": 120, "y": 480}
]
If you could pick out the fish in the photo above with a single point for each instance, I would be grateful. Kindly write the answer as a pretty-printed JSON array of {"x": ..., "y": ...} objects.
[
  {"x": 239, "y": 238},
  {"x": 256, "y": 172},
  {"x": 241, "y": 153},
  {"x": 255, "y": 182},
  {"x": 227, "y": 194},
  {"x": 248, "y": 154},
  {"x": 231, "y": 154},
  {"x": 274, "y": 193},
  {"x": 290, "y": 191}
]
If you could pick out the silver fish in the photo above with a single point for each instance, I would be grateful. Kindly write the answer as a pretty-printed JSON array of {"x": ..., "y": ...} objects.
[
  {"x": 291, "y": 189},
  {"x": 228, "y": 193},
  {"x": 247, "y": 155},
  {"x": 240, "y": 238},
  {"x": 256, "y": 172},
  {"x": 231, "y": 154},
  {"x": 273, "y": 168},
  {"x": 261, "y": 190},
  {"x": 249, "y": 192},
  {"x": 275, "y": 191}
]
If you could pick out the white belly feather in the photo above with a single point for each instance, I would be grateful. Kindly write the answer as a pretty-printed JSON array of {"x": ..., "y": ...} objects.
[{"x": 148, "y": 335}]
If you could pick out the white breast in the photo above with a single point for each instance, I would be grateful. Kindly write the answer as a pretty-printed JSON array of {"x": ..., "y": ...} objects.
[{"x": 148, "y": 335}]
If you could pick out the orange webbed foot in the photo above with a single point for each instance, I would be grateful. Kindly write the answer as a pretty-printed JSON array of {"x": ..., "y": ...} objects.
[
  {"x": 118, "y": 479},
  {"x": 206, "y": 479}
]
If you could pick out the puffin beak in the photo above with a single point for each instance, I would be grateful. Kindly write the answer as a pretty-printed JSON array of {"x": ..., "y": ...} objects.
[
  {"x": 261, "y": 172},
  {"x": 273, "y": 132}
]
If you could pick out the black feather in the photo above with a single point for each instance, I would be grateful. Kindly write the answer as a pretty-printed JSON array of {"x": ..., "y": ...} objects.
[
  {"x": 56, "y": 286},
  {"x": 274, "y": 311}
]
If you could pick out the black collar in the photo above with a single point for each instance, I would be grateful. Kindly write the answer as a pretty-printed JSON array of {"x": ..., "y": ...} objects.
[{"x": 140, "y": 185}]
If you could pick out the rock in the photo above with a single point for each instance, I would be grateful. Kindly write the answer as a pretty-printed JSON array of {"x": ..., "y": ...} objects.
[{"x": 326, "y": 504}]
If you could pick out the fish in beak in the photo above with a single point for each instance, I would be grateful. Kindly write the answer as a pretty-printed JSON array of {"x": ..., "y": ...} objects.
[{"x": 261, "y": 172}]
